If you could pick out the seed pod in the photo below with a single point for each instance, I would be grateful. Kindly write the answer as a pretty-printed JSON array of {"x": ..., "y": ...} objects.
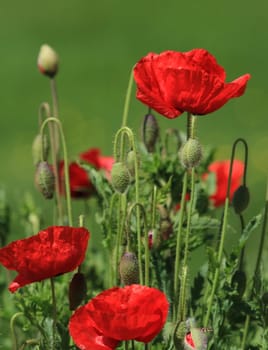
[
  {"x": 150, "y": 132},
  {"x": 241, "y": 199},
  {"x": 77, "y": 290},
  {"x": 239, "y": 281},
  {"x": 191, "y": 153},
  {"x": 38, "y": 147},
  {"x": 120, "y": 177},
  {"x": 48, "y": 61},
  {"x": 45, "y": 180},
  {"x": 130, "y": 162},
  {"x": 129, "y": 269}
]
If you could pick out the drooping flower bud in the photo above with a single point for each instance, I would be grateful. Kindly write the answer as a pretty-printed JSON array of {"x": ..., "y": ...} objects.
[
  {"x": 241, "y": 199},
  {"x": 77, "y": 290},
  {"x": 130, "y": 162},
  {"x": 191, "y": 153},
  {"x": 38, "y": 147},
  {"x": 120, "y": 177},
  {"x": 239, "y": 281},
  {"x": 45, "y": 180},
  {"x": 48, "y": 61},
  {"x": 150, "y": 132},
  {"x": 129, "y": 269},
  {"x": 179, "y": 334}
]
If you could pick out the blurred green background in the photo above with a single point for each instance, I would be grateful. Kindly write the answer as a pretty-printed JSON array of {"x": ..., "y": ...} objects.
[{"x": 98, "y": 43}]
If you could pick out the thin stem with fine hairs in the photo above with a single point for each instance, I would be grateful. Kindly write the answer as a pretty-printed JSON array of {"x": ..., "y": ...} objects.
[
  {"x": 223, "y": 229},
  {"x": 54, "y": 305},
  {"x": 66, "y": 166},
  {"x": 257, "y": 266},
  {"x": 44, "y": 111},
  {"x": 127, "y": 99}
]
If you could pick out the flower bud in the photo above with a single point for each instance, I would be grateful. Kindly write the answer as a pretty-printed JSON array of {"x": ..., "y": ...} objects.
[
  {"x": 45, "y": 180},
  {"x": 38, "y": 147},
  {"x": 240, "y": 199},
  {"x": 48, "y": 61},
  {"x": 129, "y": 269},
  {"x": 150, "y": 132},
  {"x": 130, "y": 162},
  {"x": 239, "y": 282},
  {"x": 120, "y": 177},
  {"x": 179, "y": 334},
  {"x": 191, "y": 153},
  {"x": 77, "y": 290}
]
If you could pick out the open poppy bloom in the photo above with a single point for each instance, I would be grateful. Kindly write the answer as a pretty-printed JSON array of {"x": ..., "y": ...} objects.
[
  {"x": 174, "y": 82},
  {"x": 134, "y": 312},
  {"x": 51, "y": 252},
  {"x": 80, "y": 183},
  {"x": 221, "y": 171}
]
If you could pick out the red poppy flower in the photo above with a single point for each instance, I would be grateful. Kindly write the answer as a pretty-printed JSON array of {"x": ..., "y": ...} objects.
[
  {"x": 221, "y": 171},
  {"x": 134, "y": 312},
  {"x": 80, "y": 184},
  {"x": 53, "y": 251},
  {"x": 174, "y": 82},
  {"x": 94, "y": 157}
]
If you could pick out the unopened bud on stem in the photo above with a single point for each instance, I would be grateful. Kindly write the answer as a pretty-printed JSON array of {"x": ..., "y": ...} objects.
[{"x": 48, "y": 61}]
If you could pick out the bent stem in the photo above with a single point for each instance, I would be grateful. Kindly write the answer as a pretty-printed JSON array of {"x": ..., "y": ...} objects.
[
  {"x": 66, "y": 166},
  {"x": 223, "y": 229},
  {"x": 257, "y": 266},
  {"x": 45, "y": 109},
  {"x": 119, "y": 137},
  {"x": 12, "y": 329}
]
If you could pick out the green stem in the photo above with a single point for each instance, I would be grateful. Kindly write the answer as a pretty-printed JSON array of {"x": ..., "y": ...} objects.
[
  {"x": 182, "y": 304},
  {"x": 127, "y": 99},
  {"x": 219, "y": 260},
  {"x": 54, "y": 305},
  {"x": 119, "y": 137},
  {"x": 122, "y": 208},
  {"x": 66, "y": 166},
  {"x": 178, "y": 245},
  {"x": 44, "y": 108},
  {"x": 257, "y": 266},
  {"x": 12, "y": 329}
]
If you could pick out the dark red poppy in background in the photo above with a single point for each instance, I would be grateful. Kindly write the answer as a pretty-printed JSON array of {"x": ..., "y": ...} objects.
[
  {"x": 80, "y": 183},
  {"x": 53, "y": 251},
  {"x": 174, "y": 82},
  {"x": 221, "y": 171},
  {"x": 134, "y": 312},
  {"x": 94, "y": 157}
]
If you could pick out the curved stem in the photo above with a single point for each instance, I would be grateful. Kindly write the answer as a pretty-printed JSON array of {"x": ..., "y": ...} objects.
[
  {"x": 118, "y": 137},
  {"x": 178, "y": 245},
  {"x": 44, "y": 110},
  {"x": 12, "y": 328},
  {"x": 66, "y": 166},
  {"x": 224, "y": 225},
  {"x": 257, "y": 266}
]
